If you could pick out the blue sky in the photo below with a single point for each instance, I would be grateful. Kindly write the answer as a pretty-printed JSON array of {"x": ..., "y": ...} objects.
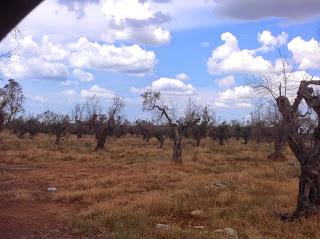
[{"x": 203, "y": 50}]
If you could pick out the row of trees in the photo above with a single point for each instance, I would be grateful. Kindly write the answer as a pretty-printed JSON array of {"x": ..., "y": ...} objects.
[{"x": 281, "y": 122}]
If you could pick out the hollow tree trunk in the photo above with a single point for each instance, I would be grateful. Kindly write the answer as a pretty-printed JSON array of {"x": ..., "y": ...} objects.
[{"x": 177, "y": 146}]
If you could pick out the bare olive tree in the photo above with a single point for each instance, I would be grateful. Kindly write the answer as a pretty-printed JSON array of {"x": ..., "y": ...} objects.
[
  {"x": 56, "y": 124},
  {"x": 105, "y": 125},
  {"x": 78, "y": 116},
  {"x": 278, "y": 82},
  {"x": 201, "y": 130},
  {"x": 308, "y": 155},
  {"x": 152, "y": 102}
]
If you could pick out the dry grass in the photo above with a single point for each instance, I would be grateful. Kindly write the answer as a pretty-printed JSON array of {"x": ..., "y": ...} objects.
[{"x": 126, "y": 190}]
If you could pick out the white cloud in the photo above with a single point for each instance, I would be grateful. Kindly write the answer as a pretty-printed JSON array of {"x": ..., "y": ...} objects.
[
  {"x": 226, "y": 81},
  {"x": 32, "y": 60},
  {"x": 238, "y": 97},
  {"x": 228, "y": 58},
  {"x": 172, "y": 86},
  {"x": 305, "y": 53},
  {"x": 182, "y": 77},
  {"x": 46, "y": 60},
  {"x": 98, "y": 92},
  {"x": 168, "y": 86},
  {"x": 111, "y": 21},
  {"x": 82, "y": 75},
  {"x": 127, "y": 59},
  {"x": 270, "y": 41}
]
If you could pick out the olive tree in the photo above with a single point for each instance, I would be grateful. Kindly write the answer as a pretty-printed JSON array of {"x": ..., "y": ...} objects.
[
  {"x": 308, "y": 155},
  {"x": 105, "y": 125},
  {"x": 152, "y": 102}
]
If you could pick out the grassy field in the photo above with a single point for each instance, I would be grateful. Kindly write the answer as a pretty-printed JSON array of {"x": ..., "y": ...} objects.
[{"x": 125, "y": 191}]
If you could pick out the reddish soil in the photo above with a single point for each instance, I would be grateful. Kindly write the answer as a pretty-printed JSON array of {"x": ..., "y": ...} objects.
[{"x": 33, "y": 214}]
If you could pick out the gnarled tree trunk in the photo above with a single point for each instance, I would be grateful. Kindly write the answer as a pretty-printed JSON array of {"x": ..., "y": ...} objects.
[{"x": 308, "y": 156}]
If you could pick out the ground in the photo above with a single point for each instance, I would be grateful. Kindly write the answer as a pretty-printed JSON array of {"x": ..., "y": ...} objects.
[{"x": 126, "y": 190}]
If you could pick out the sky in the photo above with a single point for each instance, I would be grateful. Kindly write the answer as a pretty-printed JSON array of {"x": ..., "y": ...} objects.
[{"x": 204, "y": 50}]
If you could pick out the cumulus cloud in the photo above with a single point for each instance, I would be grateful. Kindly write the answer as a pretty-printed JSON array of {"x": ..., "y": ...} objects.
[
  {"x": 98, "y": 92},
  {"x": 255, "y": 10},
  {"x": 238, "y": 97},
  {"x": 28, "y": 59},
  {"x": 269, "y": 41},
  {"x": 77, "y": 6},
  {"x": 182, "y": 77},
  {"x": 305, "y": 53},
  {"x": 228, "y": 58},
  {"x": 226, "y": 81},
  {"x": 135, "y": 19},
  {"x": 82, "y": 75},
  {"x": 168, "y": 86},
  {"x": 44, "y": 59},
  {"x": 128, "y": 59}
]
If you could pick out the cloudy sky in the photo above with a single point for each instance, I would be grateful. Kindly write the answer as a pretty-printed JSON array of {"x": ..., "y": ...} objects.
[{"x": 199, "y": 49}]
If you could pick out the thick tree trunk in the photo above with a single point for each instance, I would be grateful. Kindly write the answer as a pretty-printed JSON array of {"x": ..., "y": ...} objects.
[
  {"x": 279, "y": 147},
  {"x": 101, "y": 140},
  {"x": 177, "y": 146},
  {"x": 309, "y": 188}
]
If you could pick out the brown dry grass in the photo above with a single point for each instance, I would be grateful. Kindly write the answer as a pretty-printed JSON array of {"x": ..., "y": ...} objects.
[{"x": 126, "y": 190}]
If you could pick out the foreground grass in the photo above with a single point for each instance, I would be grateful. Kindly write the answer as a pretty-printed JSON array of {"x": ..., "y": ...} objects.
[{"x": 126, "y": 190}]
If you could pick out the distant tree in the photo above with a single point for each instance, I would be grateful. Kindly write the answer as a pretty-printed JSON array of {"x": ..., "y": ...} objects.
[
  {"x": 152, "y": 102},
  {"x": 79, "y": 120},
  {"x": 56, "y": 124},
  {"x": 222, "y": 132},
  {"x": 105, "y": 125},
  {"x": 201, "y": 130},
  {"x": 11, "y": 102}
]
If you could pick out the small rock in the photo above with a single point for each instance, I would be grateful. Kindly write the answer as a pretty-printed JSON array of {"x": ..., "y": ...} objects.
[
  {"x": 162, "y": 226},
  {"x": 199, "y": 227},
  {"x": 197, "y": 213},
  {"x": 219, "y": 184},
  {"x": 229, "y": 232},
  {"x": 52, "y": 189}
]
